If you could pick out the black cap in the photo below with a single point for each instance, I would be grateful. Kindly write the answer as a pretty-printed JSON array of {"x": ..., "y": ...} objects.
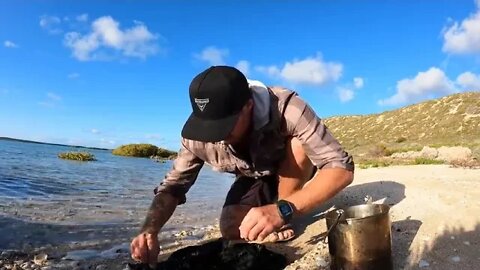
[{"x": 217, "y": 95}]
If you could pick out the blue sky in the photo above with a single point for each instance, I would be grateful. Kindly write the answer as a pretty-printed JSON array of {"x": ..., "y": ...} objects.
[{"x": 105, "y": 73}]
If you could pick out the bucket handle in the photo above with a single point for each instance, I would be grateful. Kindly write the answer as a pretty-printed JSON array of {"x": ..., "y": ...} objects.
[{"x": 339, "y": 215}]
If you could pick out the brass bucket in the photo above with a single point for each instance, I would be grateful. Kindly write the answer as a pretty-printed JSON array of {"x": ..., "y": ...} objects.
[{"x": 359, "y": 237}]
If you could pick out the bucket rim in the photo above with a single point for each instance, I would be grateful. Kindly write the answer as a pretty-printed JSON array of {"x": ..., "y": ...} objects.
[{"x": 387, "y": 207}]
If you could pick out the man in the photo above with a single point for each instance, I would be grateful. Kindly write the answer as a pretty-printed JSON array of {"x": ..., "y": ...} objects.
[{"x": 285, "y": 160}]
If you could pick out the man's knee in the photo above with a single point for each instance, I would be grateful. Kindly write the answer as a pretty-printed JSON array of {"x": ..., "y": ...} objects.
[
  {"x": 296, "y": 163},
  {"x": 230, "y": 220}
]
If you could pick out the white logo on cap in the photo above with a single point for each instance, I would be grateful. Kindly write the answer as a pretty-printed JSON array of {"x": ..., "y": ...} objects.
[{"x": 201, "y": 103}]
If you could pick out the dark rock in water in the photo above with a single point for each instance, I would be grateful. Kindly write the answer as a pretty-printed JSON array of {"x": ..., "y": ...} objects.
[{"x": 217, "y": 255}]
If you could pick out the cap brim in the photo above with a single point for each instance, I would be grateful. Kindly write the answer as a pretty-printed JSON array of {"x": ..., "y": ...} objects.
[{"x": 208, "y": 130}]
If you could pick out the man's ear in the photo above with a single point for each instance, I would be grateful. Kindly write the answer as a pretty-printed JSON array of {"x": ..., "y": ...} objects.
[{"x": 249, "y": 104}]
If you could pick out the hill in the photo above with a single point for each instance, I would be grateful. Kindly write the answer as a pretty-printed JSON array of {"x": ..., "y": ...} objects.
[{"x": 449, "y": 121}]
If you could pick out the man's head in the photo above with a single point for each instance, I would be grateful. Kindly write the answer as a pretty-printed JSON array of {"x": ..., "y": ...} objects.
[{"x": 222, "y": 106}]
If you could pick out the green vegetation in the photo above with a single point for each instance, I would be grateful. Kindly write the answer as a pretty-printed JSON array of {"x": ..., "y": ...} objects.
[
  {"x": 78, "y": 156},
  {"x": 143, "y": 150},
  {"x": 374, "y": 163},
  {"x": 421, "y": 160}
]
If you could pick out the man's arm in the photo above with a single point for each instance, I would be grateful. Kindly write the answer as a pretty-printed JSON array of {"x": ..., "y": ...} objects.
[
  {"x": 170, "y": 193},
  {"x": 161, "y": 209},
  {"x": 335, "y": 166}
]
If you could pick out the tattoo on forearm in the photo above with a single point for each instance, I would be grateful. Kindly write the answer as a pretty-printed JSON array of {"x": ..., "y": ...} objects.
[{"x": 162, "y": 207}]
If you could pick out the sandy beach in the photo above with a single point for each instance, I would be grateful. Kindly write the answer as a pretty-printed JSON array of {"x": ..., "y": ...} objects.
[{"x": 435, "y": 225}]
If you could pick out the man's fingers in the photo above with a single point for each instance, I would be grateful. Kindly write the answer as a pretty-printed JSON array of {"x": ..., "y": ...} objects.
[
  {"x": 255, "y": 231},
  {"x": 143, "y": 249},
  {"x": 266, "y": 231},
  {"x": 248, "y": 222},
  {"x": 153, "y": 250}
]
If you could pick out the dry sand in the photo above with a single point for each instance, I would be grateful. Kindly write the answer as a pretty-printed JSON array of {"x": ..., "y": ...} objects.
[{"x": 435, "y": 217}]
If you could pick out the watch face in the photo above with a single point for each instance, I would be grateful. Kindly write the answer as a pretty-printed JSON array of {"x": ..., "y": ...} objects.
[{"x": 285, "y": 209}]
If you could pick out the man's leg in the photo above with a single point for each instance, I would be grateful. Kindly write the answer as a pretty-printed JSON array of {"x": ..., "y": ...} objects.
[{"x": 294, "y": 171}]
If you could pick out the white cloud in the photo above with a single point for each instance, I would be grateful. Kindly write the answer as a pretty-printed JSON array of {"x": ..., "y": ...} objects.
[
  {"x": 426, "y": 84},
  {"x": 311, "y": 70},
  {"x": 9, "y": 44},
  {"x": 244, "y": 67},
  {"x": 469, "y": 81},
  {"x": 464, "y": 37},
  {"x": 95, "y": 131},
  {"x": 53, "y": 96},
  {"x": 82, "y": 18},
  {"x": 345, "y": 94},
  {"x": 136, "y": 41},
  {"x": 358, "y": 82},
  {"x": 73, "y": 75},
  {"x": 50, "y": 24},
  {"x": 213, "y": 55}
]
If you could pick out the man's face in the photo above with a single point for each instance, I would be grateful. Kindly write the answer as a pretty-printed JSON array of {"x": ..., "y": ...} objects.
[{"x": 242, "y": 126}]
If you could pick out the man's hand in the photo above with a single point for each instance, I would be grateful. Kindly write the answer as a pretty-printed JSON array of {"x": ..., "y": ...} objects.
[
  {"x": 260, "y": 222},
  {"x": 145, "y": 248}
]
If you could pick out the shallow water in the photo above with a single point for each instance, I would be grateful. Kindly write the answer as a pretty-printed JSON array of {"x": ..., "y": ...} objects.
[{"x": 37, "y": 187}]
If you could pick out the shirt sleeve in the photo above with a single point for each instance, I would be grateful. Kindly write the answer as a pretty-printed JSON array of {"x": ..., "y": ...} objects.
[
  {"x": 182, "y": 175},
  {"x": 322, "y": 148}
]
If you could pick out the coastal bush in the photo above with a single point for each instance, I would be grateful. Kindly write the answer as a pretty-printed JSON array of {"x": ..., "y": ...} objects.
[
  {"x": 374, "y": 164},
  {"x": 79, "y": 156},
  {"x": 136, "y": 150},
  {"x": 422, "y": 160},
  {"x": 164, "y": 153}
]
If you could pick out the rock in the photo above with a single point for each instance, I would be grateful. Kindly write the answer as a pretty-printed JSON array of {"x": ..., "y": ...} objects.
[
  {"x": 46, "y": 268},
  {"x": 40, "y": 259},
  {"x": 25, "y": 265},
  {"x": 455, "y": 259},
  {"x": 466, "y": 243},
  {"x": 454, "y": 153},
  {"x": 101, "y": 267},
  {"x": 423, "y": 264},
  {"x": 429, "y": 152},
  {"x": 322, "y": 263},
  {"x": 116, "y": 251}
]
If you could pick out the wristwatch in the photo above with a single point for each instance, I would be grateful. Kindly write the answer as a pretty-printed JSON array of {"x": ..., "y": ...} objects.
[{"x": 285, "y": 209}]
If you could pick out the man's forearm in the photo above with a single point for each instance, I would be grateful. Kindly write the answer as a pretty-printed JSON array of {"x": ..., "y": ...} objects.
[
  {"x": 161, "y": 209},
  {"x": 323, "y": 186}
]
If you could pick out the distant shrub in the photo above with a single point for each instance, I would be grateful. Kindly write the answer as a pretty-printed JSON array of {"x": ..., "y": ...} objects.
[
  {"x": 365, "y": 164},
  {"x": 422, "y": 160},
  {"x": 400, "y": 139},
  {"x": 380, "y": 151},
  {"x": 136, "y": 150},
  {"x": 164, "y": 153},
  {"x": 79, "y": 156}
]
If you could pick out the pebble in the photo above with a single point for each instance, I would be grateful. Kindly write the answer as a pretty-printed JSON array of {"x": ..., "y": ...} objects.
[
  {"x": 40, "y": 259},
  {"x": 101, "y": 267},
  {"x": 466, "y": 243},
  {"x": 423, "y": 264},
  {"x": 322, "y": 263},
  {"x": 455, "y": 259}
]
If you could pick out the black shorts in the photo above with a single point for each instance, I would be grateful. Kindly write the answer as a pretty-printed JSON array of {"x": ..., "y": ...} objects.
[{"x": 254, "y": 192}]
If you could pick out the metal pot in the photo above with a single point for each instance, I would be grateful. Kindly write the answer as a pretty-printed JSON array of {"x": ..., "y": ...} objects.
[{"x": 359, "y": 237}]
